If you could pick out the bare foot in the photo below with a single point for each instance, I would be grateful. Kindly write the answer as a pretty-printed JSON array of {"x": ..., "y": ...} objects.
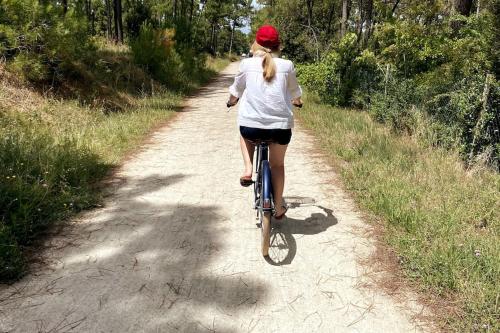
[{"x": 280, "y": 210}]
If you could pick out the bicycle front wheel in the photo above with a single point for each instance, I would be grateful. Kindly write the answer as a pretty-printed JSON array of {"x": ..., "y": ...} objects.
[{"x": 266, "y": 232}]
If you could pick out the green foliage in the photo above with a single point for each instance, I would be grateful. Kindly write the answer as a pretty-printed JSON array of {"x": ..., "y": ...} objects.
[
  {"x": 471, "y": 115},
  {"x": 412, "y": 48},
  {"x": 154, "y": 49},
  {"x": 411, "y": 71},
  {"x": 345, "y": 76},
  {"x": 38, "y": 41},
  {"x": 396, "y": 105},
  {"x": 138, "y": 14},
  {"x": 168, "y": 61}
]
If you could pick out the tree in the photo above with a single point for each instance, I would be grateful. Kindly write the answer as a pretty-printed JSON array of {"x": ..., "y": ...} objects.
[{"x": 239, "y": 11}]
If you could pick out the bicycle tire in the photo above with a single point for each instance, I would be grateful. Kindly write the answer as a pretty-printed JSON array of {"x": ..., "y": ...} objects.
[
  {"x": 265, "y": 232},
  {"x": 265, "y": 207}
]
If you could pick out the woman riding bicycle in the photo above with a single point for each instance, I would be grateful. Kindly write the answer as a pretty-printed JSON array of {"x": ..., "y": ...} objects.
[{"x": 268, "y": 88}]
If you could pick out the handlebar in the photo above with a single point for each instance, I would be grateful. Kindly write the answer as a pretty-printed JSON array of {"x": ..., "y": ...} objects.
[{"x": 229, "y": 104}]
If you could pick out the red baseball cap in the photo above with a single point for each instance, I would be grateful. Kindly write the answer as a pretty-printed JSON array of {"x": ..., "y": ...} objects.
[{"x": 268, "y": 36}]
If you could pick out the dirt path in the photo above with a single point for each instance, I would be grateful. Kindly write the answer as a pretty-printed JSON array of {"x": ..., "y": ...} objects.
[{"x": 176, "y": 247}]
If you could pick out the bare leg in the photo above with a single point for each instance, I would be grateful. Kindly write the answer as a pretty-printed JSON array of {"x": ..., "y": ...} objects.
[
  {"x": 277, "y": 162},
  {"x": 247, "y": 150}
]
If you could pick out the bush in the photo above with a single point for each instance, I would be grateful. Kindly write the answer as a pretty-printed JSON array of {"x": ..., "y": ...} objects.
[
  {"x": 175, "y": 65},
  {"x": 345, "y": 76},
  {"x": 396, "y": 104},
  {"x": 155, "y": 51},
  {"x": 367, "y": 78},
  {"x": 470, "y": 108}
]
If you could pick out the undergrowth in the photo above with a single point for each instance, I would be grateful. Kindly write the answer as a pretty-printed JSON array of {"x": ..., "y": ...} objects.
[{"x": 441, "y": 219}]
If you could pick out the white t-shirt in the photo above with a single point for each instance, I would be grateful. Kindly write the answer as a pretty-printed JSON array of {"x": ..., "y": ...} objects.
[{"x": 265, "y": 104}]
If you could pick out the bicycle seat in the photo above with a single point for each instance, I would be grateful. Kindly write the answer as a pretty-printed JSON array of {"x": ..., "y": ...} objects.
[{"x": 262, "y": 142}]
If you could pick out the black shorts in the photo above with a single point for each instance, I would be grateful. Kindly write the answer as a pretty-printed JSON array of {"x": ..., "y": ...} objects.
[{"x": 280, "y": 136}]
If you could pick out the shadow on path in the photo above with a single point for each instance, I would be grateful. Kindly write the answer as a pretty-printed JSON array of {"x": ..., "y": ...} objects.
[
  {"x": 140, "y": 263},
  {"x": 283, "y": 245}
]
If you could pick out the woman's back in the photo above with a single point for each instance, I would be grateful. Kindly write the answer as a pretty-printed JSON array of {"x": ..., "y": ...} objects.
[{"x": 266, "y": 104}]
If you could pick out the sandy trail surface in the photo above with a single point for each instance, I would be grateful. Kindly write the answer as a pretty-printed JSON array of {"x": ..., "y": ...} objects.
[{"x": 176, "y": 247}]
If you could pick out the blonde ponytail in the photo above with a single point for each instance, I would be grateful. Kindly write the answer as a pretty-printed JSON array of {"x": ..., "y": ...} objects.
[
  {"x": 269, "y": 67},
  {"x": 268, "y": 64}
]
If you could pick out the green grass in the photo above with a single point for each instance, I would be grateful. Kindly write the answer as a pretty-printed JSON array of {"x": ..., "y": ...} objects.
[
  {"x": 442, "y": 220},
  {"x": 217, "y": 64}
]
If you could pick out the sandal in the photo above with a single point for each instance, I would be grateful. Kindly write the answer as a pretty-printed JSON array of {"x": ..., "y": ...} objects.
[
  {"x": 282, "y": 215},
  {"x": 246, "y": 181}
]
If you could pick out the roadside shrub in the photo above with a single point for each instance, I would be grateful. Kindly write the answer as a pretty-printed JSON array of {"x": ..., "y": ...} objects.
[
  {"x": 367, "y": 78},
  {"x": 396, "y": 105},
  {"x": 155, "y": 51},
  {"x": 345, "y": 76},
  {"x": 314, "y": 77},
  {"x": 470, "y": 108}
]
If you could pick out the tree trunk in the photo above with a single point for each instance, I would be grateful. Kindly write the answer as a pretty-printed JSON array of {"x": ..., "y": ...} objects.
[
  {"x": 118, "y": 21},
  {"x": 395, "y": 6},
  {"x": 359, "y": 27},
  {"x": 463, "y": 6},
  {"x": 109, "y": 27},
  {"x": 368, "y": 16},
  {"x": 232, "y": 37},
  {"x": 309, "y": 12},
  {"x": 331, "y": 13},
  {"x": 65, "y": 6},
  {"x": 346, "y": 6},
  {"x": 87, "y": 9},
  {"x": 212, "y": 39},
  {"x": 191, "y": 11},
  {"x": 92, "y": 25}
]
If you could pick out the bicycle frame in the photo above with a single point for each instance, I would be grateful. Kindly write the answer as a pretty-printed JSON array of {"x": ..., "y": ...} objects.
[{"x": 263, "y": 189}]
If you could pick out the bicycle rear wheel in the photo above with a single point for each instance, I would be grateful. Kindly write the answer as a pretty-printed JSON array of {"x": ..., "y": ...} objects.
[{"x": 266, "y": 232}]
